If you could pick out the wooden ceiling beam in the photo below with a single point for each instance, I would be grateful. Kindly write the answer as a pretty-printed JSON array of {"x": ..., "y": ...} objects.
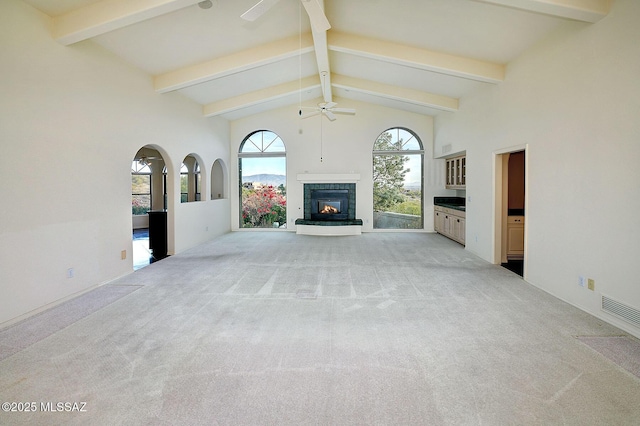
[
  {"x": 101, "y": 17},
  {"x": 579, "y": 10},
  {"x": 322, "y": 58},
  {"x": 234, "y": 63},
  {"x": 400, "y": 54},
  {"x": 260, "y": 96},
  {"x": 415, "y": 97}
]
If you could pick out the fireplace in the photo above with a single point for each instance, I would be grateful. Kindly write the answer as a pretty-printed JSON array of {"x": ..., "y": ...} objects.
[
  {"x": 329, "y": 209},
  {"x": 329, "y": 202}
]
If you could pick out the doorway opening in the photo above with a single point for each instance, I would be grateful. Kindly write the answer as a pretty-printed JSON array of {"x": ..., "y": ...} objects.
[
  {"x": 148, "y": 207},
  {"x": 510, "y": 210}
]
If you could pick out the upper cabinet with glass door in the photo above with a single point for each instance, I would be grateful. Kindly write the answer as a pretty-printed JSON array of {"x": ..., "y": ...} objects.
[{"x": 456, "y": 172}]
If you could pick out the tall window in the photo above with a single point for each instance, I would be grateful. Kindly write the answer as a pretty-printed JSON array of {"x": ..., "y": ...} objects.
[
  {"x": 190, "y": 182},
  {"x": 262, "y": 166},
  {"x": 198, "y": 183},
  {"x": 398, "y": 162},
  {"x": 140, "y": 187},
  {"x": 184, "y": 183}
]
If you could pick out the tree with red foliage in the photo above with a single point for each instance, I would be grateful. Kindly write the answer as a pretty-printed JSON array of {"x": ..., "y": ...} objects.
[{"x": 263, "y": 206}]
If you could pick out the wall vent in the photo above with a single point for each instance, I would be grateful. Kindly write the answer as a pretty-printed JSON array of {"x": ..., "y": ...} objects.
[{"x": 625, "y": 312}]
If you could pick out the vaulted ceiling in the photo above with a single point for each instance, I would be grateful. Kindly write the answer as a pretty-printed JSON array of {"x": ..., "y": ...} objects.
[{"x": 422, "y": 56}]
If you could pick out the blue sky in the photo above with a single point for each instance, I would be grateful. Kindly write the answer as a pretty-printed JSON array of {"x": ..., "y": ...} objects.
[{"x": 255, "y": 166}]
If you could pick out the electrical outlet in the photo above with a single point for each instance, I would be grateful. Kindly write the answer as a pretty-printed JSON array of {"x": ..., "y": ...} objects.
[
  {"x": 591, "y": 284},
  {"x": 123, "y": 254},
  {"x": 581, "y": 281}
]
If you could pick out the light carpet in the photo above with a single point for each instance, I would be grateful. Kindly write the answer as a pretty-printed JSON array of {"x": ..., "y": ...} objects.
[{"x": 274, "y": 328}]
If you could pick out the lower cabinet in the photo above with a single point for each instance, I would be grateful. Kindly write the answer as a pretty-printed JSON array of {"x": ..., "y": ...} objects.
[
  {"x": 450, "y": 223},
  {"x": 438, "y": 221},
  {"x": 515, "y": 237}
]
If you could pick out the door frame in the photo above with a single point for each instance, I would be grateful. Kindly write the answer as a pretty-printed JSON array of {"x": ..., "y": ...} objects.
[{"x": 500, "y": 211}]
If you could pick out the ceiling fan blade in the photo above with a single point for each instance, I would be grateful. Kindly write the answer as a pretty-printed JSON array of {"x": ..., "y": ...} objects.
[
  {"x": 344, "y": 110},
  {"x": 327, "y": 105},
  {"x": 318, "y": 19},
  {"x": 258, "y": 10},
  {"x": 329, "y": 114}
]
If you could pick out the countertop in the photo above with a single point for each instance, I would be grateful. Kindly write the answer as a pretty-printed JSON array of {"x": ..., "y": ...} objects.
[{"x": 456, "y": 203}]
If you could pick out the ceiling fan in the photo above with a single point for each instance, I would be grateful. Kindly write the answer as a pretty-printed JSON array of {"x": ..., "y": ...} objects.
[
  {"x": 328, "y": 109},
  {"x": 144, "y": 157},
  {"x": 319, "y": 21}
]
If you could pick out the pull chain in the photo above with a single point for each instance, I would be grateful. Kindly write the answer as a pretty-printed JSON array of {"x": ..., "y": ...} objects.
[{"x": 321, "y": 138}]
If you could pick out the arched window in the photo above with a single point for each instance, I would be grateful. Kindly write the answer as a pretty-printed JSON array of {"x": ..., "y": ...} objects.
[
  {"x": 184, "y": 183},
  {"x": 190, "y": 183},
  {"x": 398, "y": 163},
  {"x": 262, "y": 166}
]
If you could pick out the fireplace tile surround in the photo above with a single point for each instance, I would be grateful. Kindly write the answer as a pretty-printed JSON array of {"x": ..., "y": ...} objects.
[
  {"x": 309, "y": 221},
  {"x": 309, "y": 188}
]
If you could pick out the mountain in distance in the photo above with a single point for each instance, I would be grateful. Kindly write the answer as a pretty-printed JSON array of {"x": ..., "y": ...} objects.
[
  {"x": 266, "y": 179},
  {"x": 414, "y": 186},
  {"x": 277, "y": 180}
]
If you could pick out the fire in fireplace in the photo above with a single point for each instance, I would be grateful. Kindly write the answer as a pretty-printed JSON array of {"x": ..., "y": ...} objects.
[{"x": 330, "y": 207}]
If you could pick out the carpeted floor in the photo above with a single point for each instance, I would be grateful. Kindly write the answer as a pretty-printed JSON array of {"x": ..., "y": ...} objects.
[
  {"x": 40, "y": 326},
  {"x": 622, "y": 350},
  {"x": 278, "y": 328}
]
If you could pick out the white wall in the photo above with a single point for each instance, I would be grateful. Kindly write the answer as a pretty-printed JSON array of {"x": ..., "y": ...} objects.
[
  {"x": 574, "y": 100},
  {"x": 71, "y": 121},
  {"x": 347, "y": 148}
]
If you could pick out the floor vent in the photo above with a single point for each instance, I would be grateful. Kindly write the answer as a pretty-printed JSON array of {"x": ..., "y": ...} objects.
[{"x": 625, "y": 312}]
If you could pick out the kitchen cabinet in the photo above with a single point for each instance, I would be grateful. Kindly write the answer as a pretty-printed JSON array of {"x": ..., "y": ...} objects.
[
  {"x": 456, "y": 172},
  {"x": 515, "y": 237},
  {"x": 438, "y": 221},
  {"x": 450, "y": 222},
  {"x": 459, "y": 230}
]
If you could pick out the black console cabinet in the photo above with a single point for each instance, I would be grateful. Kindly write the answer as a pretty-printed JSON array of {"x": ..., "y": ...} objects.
[{"x": 158, "y": 233}]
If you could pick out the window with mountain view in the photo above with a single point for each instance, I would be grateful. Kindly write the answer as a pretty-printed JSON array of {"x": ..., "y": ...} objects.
[
  {"x": 262, "y": 178},
  {"x": 397, "y": 180}
]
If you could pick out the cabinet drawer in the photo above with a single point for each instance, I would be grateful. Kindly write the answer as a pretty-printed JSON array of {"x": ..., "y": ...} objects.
[
  {"x": 448, "y": 211},
  {"x": 515, "y": 220}
]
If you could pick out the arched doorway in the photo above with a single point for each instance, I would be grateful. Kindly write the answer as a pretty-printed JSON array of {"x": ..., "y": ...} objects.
[{"x": 148, "y": 206}]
